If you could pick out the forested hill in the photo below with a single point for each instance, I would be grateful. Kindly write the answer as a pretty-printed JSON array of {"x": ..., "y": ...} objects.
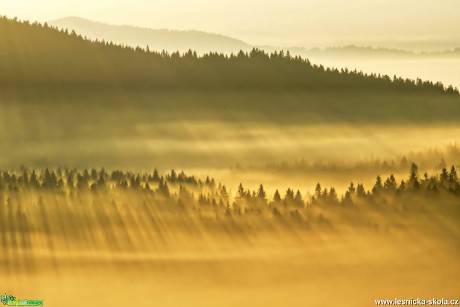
[{"x": 39, "y": 55}]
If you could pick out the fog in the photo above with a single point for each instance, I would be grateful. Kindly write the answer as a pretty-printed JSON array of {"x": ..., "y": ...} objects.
[
  {"x": 280, "y": 156},
  {"x": 312, "y": 23},
  {"x": 445, "y": 70},
  {"x": 116, "y": 247},
  {"x": 211, "y": 144}
]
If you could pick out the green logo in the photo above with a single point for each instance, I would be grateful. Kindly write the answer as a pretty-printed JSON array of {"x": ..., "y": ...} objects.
[{"x": 9, "y": 300}]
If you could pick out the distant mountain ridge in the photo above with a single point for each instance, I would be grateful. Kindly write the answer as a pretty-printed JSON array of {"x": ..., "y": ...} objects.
[
  {"x": 353, "y": 51},
  {"x": 203, "y": 42},
  {"x": 155, "y": 39}
]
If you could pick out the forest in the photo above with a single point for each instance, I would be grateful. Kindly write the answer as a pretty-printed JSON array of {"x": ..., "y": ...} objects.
[
  {"x": 50, "y": 216},
  {"x": 79, "y": 202},
  {"x": 126, "y": 225},
  {"x": 41, "y": 56},
  {"x": 72, "y": 182}
]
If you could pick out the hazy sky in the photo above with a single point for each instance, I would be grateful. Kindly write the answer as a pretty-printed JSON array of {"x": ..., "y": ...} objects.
[{"x": 289, "y": 22}]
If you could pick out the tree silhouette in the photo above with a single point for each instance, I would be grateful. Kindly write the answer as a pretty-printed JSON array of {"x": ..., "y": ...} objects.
[
  {"x": 360, "y": 191},
  {"x": 377, "y": 186},
  {"x": 332, "y": 197},
  {"x": 413, "y": 178},
  {"x": 261, "y": 193},
  {"x": 277, "y": 198},
  {"x": 453, "y": 178},
  {"x": 318, "y": 190},
  {"x": 156, "y": 176},
  {"x": 298, "y": 200},
  {"x": 241, "y": 192},
  {"x": 390, "y": 184}
]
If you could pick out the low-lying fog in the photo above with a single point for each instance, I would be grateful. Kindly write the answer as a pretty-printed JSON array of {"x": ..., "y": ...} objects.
[
  {"x": 279, "y": 156},
  {"x": 445, "y": 70}
]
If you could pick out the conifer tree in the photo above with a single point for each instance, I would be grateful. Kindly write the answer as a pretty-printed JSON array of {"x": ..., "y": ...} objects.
[
  {"x": 261, "y": 193},
  {"x": 277, "y": 197}
]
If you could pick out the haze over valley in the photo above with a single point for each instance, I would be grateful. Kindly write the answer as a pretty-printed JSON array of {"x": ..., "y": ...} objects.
[{"x": 179, "y": 153}]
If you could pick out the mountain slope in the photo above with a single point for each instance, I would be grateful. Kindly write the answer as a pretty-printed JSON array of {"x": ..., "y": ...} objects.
[
  {"x": 41, "y": 56},
  {"x": 47, "y": 73},
  {"x": 156, "y": 39},
  {"x": 435, "y": 66},
  {"x": 66, "y": 100}
]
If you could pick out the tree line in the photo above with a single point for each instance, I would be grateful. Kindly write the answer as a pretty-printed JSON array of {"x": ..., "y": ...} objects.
[
  {"x": 179, "y": 188},
  {"x": 37, "y": 55}
]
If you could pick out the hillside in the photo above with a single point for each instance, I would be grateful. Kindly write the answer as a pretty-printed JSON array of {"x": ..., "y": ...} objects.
[
  {"x": 440, "y": 65},
  {"x": 64, "y": 99},
  {"x": 156, "y": 39},
  {"x": 42, "y": 56}
]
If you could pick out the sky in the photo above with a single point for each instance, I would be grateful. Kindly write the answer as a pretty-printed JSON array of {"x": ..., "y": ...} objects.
[{"x": 307, "y": 23}]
